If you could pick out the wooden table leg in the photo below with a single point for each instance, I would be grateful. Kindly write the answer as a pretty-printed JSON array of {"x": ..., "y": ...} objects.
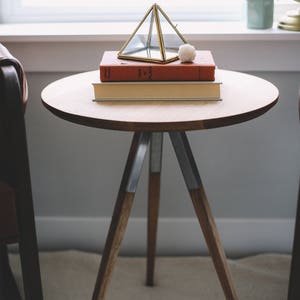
[
  {"x": 8, "y": 286},
  {"x": 156, "y": 145},
  {"x": 121, "y": 212},
  {"x": 294, "y": 286},
  {"x": 203, "y": 212}
]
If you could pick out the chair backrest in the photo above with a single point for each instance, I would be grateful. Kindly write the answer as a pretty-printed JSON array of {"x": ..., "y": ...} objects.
[
  {"x": 15, "y": 179},
  {"x": 14, "y": 166}
]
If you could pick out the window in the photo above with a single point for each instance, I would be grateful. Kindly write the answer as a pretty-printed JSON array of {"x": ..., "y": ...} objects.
[{"x": 117, "y": 10}]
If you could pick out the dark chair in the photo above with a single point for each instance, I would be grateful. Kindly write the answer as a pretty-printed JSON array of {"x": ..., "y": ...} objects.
[
  {"x": 294, "y": 283},
  {"x": 17, "y": 223}
]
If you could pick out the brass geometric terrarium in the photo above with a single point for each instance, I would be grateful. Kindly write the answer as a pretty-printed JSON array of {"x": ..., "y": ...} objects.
[{"x": 155, "y": 39}]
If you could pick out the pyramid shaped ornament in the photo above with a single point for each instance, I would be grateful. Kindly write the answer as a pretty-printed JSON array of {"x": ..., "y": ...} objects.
[{"x": 155, "y": 39}]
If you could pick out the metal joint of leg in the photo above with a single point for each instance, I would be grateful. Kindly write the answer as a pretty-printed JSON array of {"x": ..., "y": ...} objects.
[
  {"x": 139, "y": 146},
  {"x": 186, "y": 160}
]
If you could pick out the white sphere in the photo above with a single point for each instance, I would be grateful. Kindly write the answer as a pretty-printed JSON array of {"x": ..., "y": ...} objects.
[{"x": 187, "y": 53}]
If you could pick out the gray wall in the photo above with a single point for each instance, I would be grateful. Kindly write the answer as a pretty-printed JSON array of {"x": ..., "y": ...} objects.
[{"x": 249, "y": 170}]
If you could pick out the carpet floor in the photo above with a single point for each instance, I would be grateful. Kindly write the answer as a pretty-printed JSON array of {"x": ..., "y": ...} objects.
[{"x": 70, "y": 275}]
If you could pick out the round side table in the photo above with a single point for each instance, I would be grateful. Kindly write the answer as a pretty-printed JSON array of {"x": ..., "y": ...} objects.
[{"x": 244, "y": 97}]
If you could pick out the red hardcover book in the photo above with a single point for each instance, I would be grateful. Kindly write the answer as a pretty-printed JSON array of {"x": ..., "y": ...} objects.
[{"x": 114, "y": 69}]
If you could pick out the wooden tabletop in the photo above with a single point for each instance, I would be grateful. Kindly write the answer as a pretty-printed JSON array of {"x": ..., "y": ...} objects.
[{"x": 244, "y": 97}]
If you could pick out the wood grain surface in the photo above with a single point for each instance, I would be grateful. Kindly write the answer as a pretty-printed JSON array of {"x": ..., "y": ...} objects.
[
  {"x": 153, "y": 214},
  {"x": 213, "y": 241},
  {"x": 244, "y": 97}
]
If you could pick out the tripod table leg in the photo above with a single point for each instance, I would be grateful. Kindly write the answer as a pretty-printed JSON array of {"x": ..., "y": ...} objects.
[
  {"x": 156, "y": 145},
  {"x": 121, "y": 212},
  {"x": 203, "y": 212}
]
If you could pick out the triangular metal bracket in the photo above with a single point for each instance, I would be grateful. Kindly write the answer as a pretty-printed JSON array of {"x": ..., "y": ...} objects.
[{"x": 155, "y": 39}]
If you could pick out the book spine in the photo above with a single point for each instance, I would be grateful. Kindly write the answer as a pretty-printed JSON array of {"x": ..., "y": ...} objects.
[{"x": 157, "y": 73}]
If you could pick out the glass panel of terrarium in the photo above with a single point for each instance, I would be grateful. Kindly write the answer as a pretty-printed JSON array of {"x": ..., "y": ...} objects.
[
  {"x": 171, "y": 39},
  {"x": 143, "y": 43}
]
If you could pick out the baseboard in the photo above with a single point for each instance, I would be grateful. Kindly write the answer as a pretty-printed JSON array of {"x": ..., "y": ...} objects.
[{"x": 176, "y": 236}]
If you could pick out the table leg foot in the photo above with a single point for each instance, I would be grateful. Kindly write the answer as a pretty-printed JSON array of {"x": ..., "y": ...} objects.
[
  {"x": 203, "y": 212},
  {"x": 121, "y": 212},
  {"x": 153, "y": 202},
  {"x": 211, "y": 235}
]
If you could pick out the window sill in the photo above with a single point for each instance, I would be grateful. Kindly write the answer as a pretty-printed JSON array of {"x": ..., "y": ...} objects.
[
  {"x": 47, "y": 47},
  {"x": 118, "y": 32}
]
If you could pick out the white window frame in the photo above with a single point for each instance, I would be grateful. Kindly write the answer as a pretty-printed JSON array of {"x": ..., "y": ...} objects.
[{"x": 12, "y": 11}]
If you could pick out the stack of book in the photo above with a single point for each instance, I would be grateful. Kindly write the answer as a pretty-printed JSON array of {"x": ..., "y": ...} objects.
[{"x": 134, "y": 80}]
